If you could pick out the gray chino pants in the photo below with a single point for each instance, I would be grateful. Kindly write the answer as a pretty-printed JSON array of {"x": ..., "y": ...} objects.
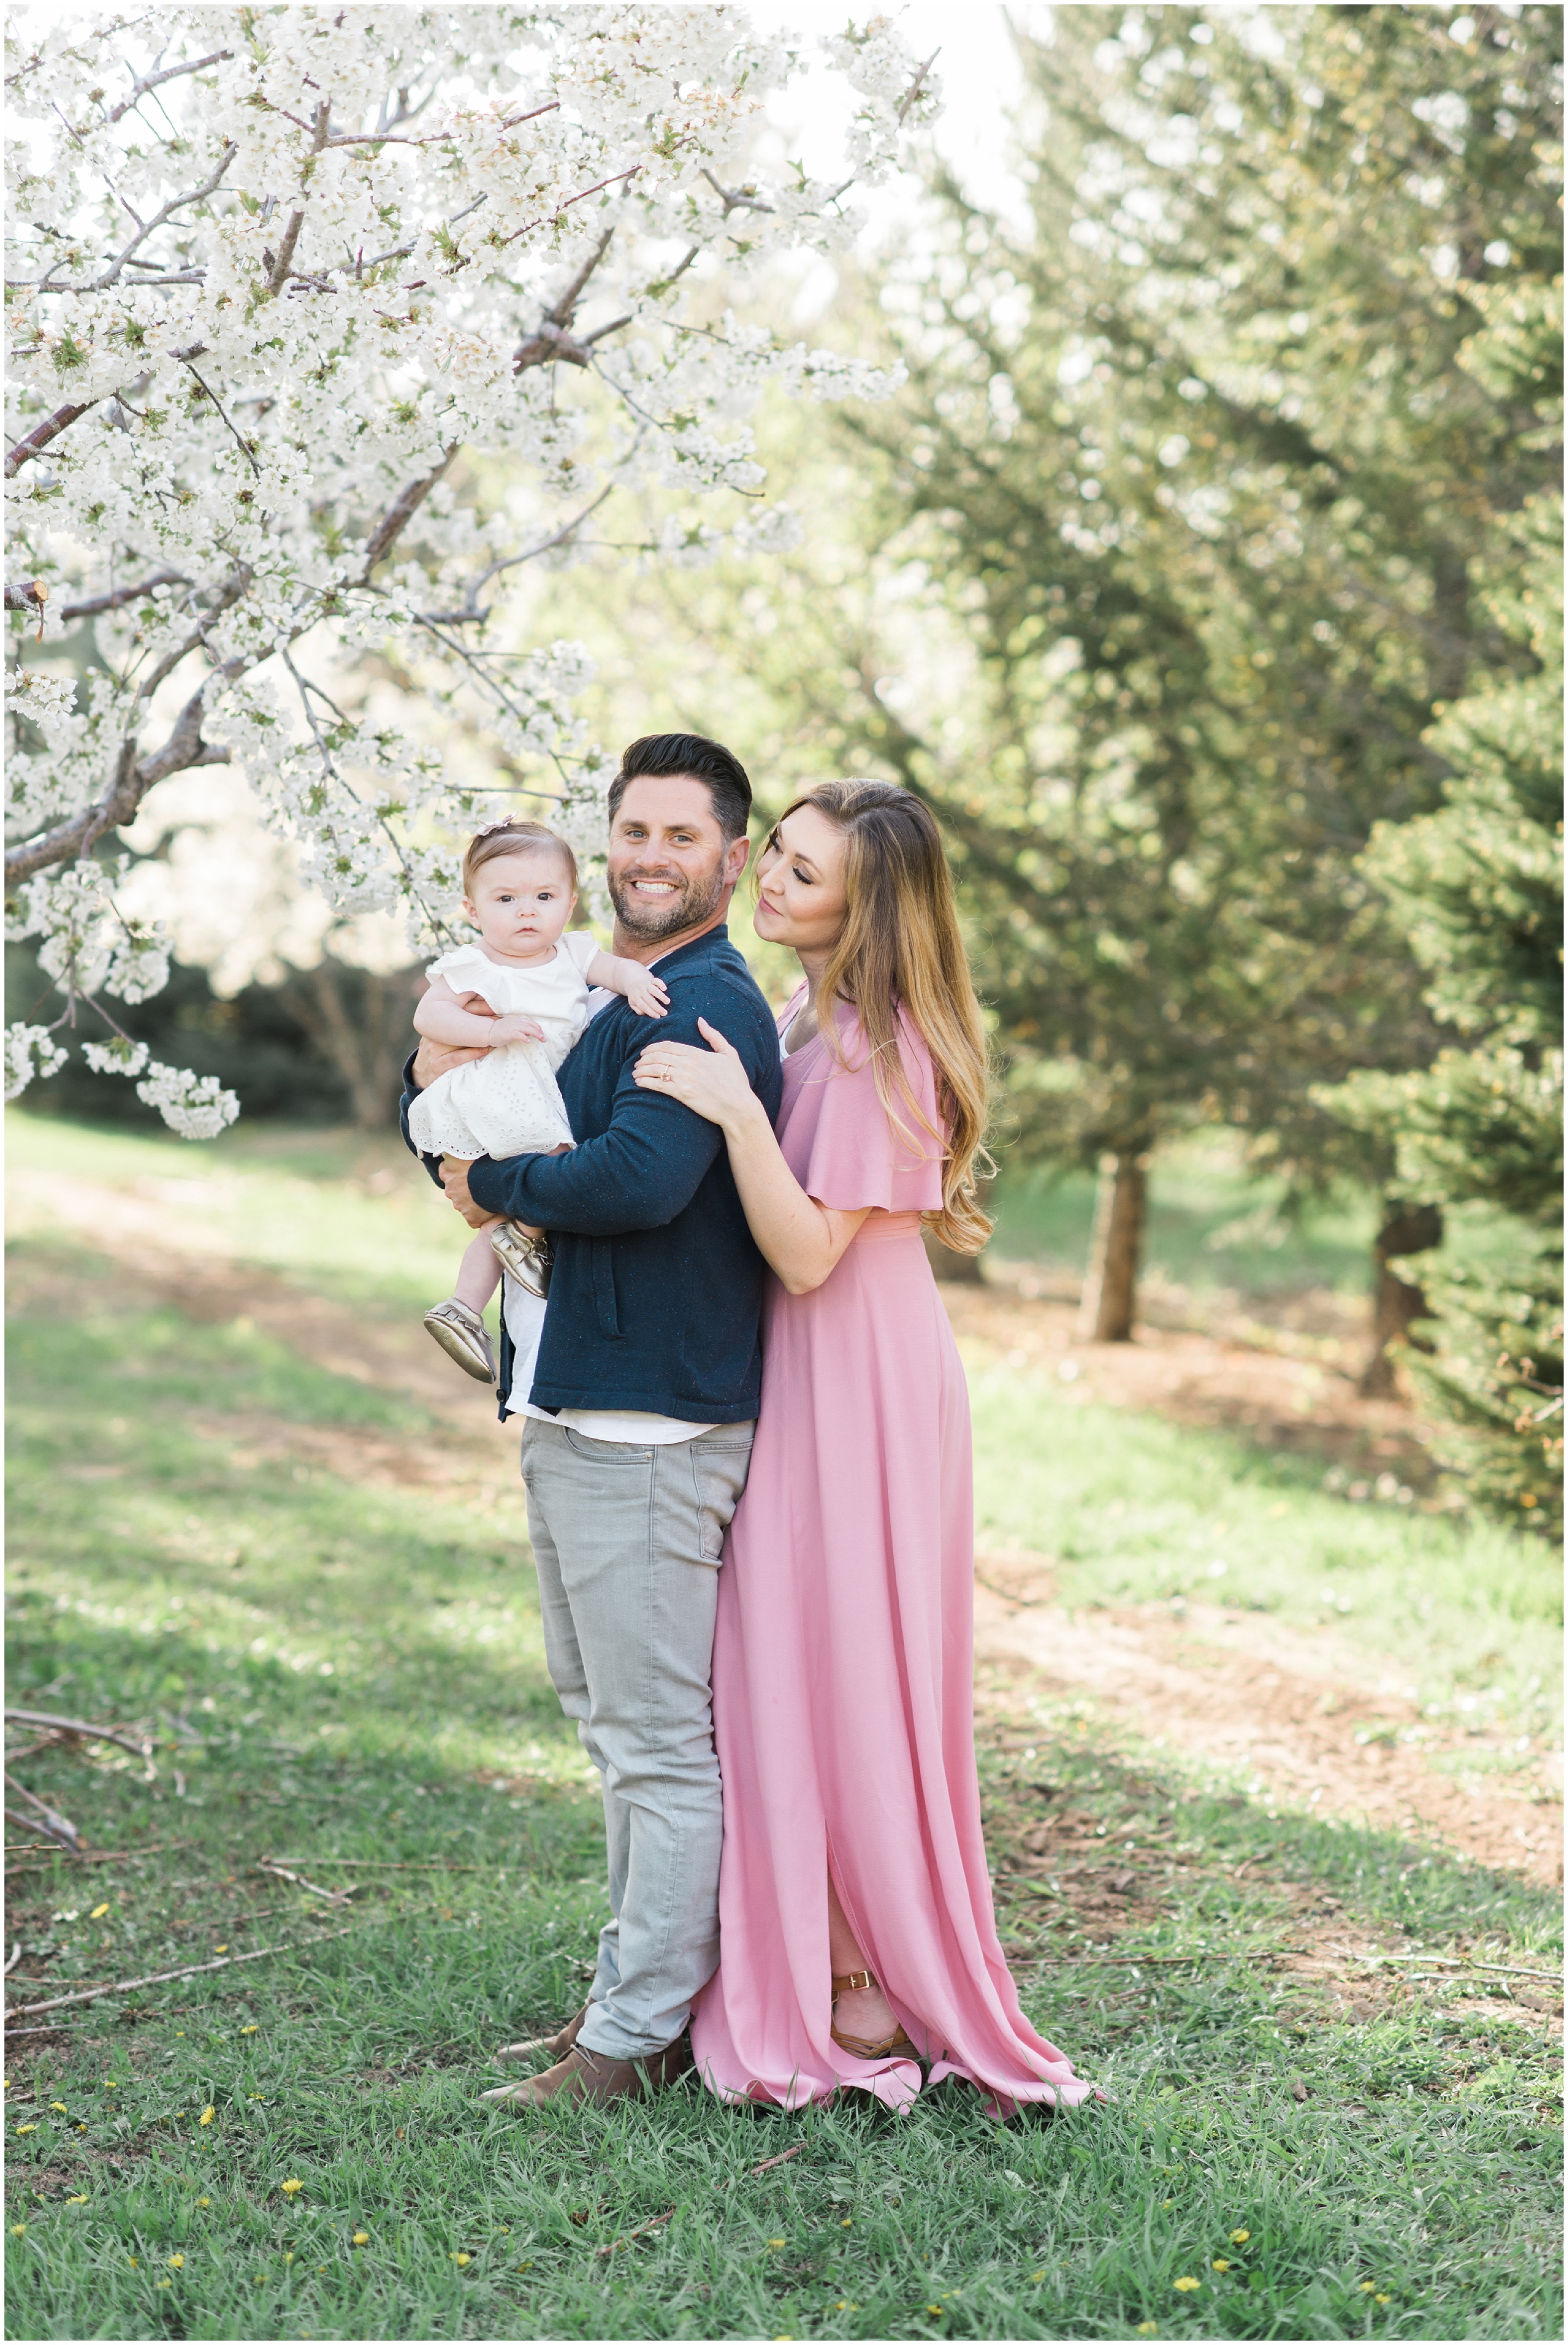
[{"x": 627, "y": 1542}]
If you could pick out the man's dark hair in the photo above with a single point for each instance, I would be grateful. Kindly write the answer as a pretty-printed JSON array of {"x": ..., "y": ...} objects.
[{"x": 663, "y": 754}]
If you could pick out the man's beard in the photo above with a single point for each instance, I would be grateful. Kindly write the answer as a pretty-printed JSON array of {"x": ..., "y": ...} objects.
[{"x": 695, "y": 901}]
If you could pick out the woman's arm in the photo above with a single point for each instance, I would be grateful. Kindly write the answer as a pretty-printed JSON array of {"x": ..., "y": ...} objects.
[{"x": 798, "y": 1238}]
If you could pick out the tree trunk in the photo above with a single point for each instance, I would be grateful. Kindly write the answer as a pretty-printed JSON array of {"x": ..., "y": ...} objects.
[
  {"x": 957, "y": 1269},
  {"x": 952, "y": 1269},
  {"x": 1397, "y": 1303},
  {"x": 1109, "y": 1307},
  {"x": 367, "y": 1042}
]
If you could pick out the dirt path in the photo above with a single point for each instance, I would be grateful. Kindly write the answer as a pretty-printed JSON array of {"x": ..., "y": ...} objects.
[
  {"x": 1307, "y": 1720},
  {"x": 1313, "y": 1721}
]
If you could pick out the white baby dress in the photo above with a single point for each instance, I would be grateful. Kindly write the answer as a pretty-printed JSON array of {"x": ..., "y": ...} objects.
[{"x": 507, "y": 1103}]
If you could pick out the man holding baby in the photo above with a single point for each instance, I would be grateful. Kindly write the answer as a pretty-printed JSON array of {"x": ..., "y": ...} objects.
[{"x": 637, "y": 1388}]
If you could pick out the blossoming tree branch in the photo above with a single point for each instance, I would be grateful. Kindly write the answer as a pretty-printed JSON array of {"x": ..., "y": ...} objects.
[{"x": 281, "y": 283}]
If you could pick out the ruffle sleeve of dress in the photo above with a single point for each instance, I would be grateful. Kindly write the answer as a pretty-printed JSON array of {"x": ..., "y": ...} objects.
[
  {"x": 468, "y": 970},
  {"x": 847, "y": 1147}
]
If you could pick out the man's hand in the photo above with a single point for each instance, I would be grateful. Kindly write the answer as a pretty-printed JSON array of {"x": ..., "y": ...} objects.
[
  {"x": 432, "y": 1060},
  {"x": 455, "y": 1182}
]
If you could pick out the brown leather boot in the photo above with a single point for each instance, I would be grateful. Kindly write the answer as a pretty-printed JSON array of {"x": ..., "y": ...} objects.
[
  {"x": 585, "y": 2075},
  {"x": 557, "y": 2045}
]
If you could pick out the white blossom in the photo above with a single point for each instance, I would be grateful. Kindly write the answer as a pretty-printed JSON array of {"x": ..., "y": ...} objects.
[
  {"x": 29, "y": 1051},
  {"x": 120, "y": 1057},
  {"x": 322, "y": 323},
  {"x": 196, "y": 1106}
]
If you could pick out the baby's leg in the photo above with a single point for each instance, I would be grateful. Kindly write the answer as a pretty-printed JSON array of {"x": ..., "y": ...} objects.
[{"x": 480, "y": 1274}]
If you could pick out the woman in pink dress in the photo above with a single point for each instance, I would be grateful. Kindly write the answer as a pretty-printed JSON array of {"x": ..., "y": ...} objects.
[{"x": 858, "y": 1944}]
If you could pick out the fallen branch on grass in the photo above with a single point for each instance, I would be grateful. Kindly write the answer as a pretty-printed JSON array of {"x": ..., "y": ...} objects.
[
  {"x": 141, "y": 1745},
  {"x": 15, "y": 1958},
  {"x": 1463, "y": 1963},
  {"x": 384, "y": 1864},
  {"x": 161, "y": 1978},
  {"x": 657, "y": 2222},
  {"x": 1248, "y": 1955},
  {"x": 277, "y": 1872},
  {"x": 1301, "y": 1953},
  {"x": 99, "y": 1856},
  {"x": 44, "y": 1818}
]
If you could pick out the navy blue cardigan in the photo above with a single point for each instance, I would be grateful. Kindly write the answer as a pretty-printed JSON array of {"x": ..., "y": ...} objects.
[{"x": 656, "y": 1292}]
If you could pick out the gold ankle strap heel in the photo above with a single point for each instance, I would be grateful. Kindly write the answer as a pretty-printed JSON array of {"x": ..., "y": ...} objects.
[{"x": 861, "y": 2047}]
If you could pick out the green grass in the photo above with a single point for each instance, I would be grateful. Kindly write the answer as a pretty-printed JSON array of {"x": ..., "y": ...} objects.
[
  {"x": 1464, "y": 1611},
  {"x": 1211, "y": 1229},
  {"x": 344, "y": 1670}
]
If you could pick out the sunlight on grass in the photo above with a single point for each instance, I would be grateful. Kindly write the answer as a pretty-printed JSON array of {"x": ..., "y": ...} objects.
[{"x": 330, "y": 1626}]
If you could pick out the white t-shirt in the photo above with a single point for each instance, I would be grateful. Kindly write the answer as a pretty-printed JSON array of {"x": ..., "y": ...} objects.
[{"x": 524, "y": 1315}]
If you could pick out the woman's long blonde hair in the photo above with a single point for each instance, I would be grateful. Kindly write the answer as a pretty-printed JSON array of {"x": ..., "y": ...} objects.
[{"x": 900, "y": 949}]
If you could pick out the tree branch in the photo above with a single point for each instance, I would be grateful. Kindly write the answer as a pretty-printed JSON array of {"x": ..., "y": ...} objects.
[
  {"x": 175, "y": 203},
  {"x": 580, "y": 198},
  {"x": 169, "y": 72},
  {"x": 470, "y": 611},
  {"x": 400, "y": 512},
  {"x": 275, "y": 282},
  {"x": 41, "y": 434},
  {"x": 95, "y": 604},
  {"x": 553, "y": 339}
]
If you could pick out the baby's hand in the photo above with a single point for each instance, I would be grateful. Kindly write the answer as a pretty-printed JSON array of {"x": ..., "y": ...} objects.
[
  {"x": 649, "y": 996},
  {"x": 514, "y": 1027}
]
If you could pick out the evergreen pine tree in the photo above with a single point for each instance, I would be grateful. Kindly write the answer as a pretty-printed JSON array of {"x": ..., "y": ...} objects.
[{"x": 1477, "y": 889}]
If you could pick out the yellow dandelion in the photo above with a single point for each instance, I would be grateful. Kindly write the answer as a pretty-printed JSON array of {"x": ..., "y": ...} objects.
[
  {"x": 132, "y": 2261},
  {"x": 460, "y": 2259},
  {"x": 362, "y": 2239},
  {"x": 775, "y": 2243},
  {"x": 18, "y": 2228},
  {"x": 27, "y": 2129},
  {"x": 58, "y": 2105},
  {"x": 177, "y": 2263},
  {"x": 528, "y": 2266},
  {"x": 1368, "y": 2285},
  {"x": 98, "y": 1912},
  {"x": 1166, "y": 2205},
  {"x": 1148, "y": 2328},
  {"x": 77, "y": 2199},
  {"x": 1186, "y": 2285},
  {"x": 209, "y": 2114},
  {"x": 1035, "y": 2276},
  {"x": 203, "y": 2202},
  {"x": 220, "y": 1949},
  {"x": 288, "y": 2257},
  {"x": 250, "y": 2030},
  {"x": 1239, "y": 2238},
  {"x": 846, "y": 2224},
  {"x": 292, "y": 2189},
  {"x": 165, "y": 2283},
  {"x": 1221, "y": 2263},
  {"x": 934, "y": 2310},
  {"x": 1383, "y": 2299}
]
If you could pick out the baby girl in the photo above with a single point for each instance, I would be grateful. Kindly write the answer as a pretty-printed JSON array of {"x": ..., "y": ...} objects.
[{"x": 520, "y": 995}]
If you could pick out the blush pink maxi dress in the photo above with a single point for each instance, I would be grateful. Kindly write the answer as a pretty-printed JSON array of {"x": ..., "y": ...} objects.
[{"x": 843, "y": 1706}]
